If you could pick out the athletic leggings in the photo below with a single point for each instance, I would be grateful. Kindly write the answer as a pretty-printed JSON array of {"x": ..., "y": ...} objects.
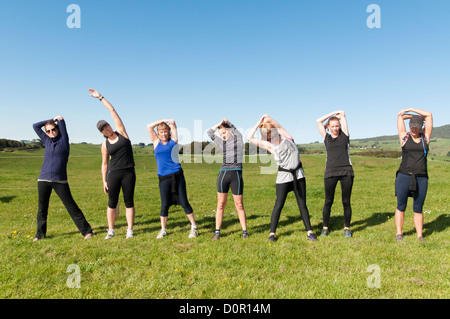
[
  {"x": 165, "y": 190},
  {"x": 121, "y": 178},
  {"x": 63, "y": 191},
  {"x": 282, "y": 191},
  {"x": 330, "y": 187}
]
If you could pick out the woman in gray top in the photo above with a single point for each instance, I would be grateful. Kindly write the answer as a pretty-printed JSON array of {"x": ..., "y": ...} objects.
[
  {"x": 230, "y": 142},
  {"x": 290, "y": 177}
]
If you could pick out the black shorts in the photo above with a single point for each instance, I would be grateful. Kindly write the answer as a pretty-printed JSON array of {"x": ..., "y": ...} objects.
[{"x": 230, "y": 178}]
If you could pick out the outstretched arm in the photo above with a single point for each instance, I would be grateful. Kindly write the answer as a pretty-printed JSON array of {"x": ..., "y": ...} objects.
[{"x": 115, "y": 116}]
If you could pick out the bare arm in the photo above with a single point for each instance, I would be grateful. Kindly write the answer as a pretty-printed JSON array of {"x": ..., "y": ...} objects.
[
  {"x": 276, "y": 125},
  {"x": 428, "y": 118},
  {"x": 344, "y": 125},
  {"x": 115, "y": 116},
  {"x": 104, "y": 168},
  {"x": 258, "y": 142}
]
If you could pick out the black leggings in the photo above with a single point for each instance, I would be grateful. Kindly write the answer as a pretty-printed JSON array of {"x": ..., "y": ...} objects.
[
  {"x": 165, "y": 190},
  {"x": 63, "y": 191},
  {"x": 125, "y": 179},
  {"x": 282, "y": 191},
  {"x": 330, "y": 187}
]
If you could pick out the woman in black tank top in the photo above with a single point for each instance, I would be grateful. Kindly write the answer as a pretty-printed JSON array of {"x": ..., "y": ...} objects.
[
  {"x": 117, "y": 168},
  {"x": 338, "y": 166},
  {"x": 412, "y": 176}
]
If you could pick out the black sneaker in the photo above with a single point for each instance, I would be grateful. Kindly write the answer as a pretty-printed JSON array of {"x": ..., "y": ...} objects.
[
  {"x": 272, "y": 238},
  {"x": 311, "y": 237},
  {"x": 324, "y": 232}
]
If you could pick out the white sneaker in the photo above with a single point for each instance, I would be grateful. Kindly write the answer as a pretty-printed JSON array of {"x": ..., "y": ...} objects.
[
  {"x": 193, "y": 233},
  {"x": 161, "y": 234},
  {"x": 110, "y": 234},
  {"x": 130, "y": 233}
]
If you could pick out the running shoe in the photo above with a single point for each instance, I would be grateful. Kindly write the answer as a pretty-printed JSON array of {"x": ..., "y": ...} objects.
[
  {"x": 88, "y": 236},
  {"x": 245, "y": 235},
  {"x": 161, "y": 234},
  {"x": 110, "y": 234},
  {"x": 130, "y": 233},
  {"x": 399, "y": 238},
  {"x": 216, "y": 236},
  {"x": 311, "y": 236},
  {"x": 324, "y": 232},
  {"x": 347, "y": 233},
  {"x": 272, "y": 238},
  {"x": 421, "y": 239},
  {"x": 193, "y": 233}
]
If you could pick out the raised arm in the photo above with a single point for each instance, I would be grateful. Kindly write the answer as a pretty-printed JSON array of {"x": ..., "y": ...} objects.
[
  {"x": 340, "y": 115},
  {"x": 258, "y": 142},
  {"x": 401, "y": 128},
  {"x": 173, "y": 130},
  {"x": 37, "y": 127},
  {"x": 115, "y": 116},
  {"x": 62, "y": 127},
  {"x": 268, "y": 119},
  {"x": 344, "y": 125},
  {"x": 154, "y": 135},
  {"x": 428, "y": 118}
]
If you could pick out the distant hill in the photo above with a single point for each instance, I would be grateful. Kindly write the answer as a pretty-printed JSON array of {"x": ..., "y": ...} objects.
[
  {"x": 389, "y": 145},
  {"x": 438, "y": 132}
]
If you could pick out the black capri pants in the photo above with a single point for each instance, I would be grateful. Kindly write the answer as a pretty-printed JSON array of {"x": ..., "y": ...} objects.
[
  {"x": 168, "y": 185},
  {"x": 121, "y": 178}
]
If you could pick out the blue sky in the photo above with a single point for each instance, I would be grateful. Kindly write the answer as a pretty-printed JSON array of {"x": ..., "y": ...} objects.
[{"x": 202, "y": 60}]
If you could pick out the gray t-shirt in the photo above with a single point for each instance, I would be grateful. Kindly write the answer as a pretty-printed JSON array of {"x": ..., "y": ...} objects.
[
  {"x": 232, "y": 149},
  {"x": 286, "y": 156}
]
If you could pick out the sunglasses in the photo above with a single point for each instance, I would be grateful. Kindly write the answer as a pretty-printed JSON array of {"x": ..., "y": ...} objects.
[{"x": 51, "y": 130}]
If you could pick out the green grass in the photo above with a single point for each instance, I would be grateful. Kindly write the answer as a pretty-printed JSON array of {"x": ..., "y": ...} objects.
[{"x": 178, "y": 267}]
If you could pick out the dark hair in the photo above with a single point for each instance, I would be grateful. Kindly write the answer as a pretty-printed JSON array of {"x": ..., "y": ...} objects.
[
  {"x": 225, "y": 125},
  {"x": 51, "y": 123}
]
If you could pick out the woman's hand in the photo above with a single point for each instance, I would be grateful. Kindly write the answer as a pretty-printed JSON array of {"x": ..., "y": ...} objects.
[
  {"x": 105, "y": 187},
  {"x": 94, "y": 93}
]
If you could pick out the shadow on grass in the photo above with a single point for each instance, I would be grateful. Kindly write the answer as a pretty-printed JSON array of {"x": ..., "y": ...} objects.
[
  {"x": 438, "y": 225},
  {"x": 7, "y": 199}
]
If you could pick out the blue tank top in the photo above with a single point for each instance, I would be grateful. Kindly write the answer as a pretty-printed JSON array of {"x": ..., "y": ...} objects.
[{"x": 167, "y": 158}]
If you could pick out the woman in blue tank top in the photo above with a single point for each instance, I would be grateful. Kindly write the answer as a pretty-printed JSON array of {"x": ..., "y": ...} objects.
[{"x": 172, "y": 184}]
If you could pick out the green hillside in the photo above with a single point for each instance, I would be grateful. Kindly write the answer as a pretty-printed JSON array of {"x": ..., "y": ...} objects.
[{"x": 390, "y": 145}]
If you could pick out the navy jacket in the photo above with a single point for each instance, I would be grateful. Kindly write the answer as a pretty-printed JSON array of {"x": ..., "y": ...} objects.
[{"x": 54, "y": 167}]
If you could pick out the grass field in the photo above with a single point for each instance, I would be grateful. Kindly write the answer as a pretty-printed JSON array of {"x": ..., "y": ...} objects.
[{"x": 231, "y": 268}]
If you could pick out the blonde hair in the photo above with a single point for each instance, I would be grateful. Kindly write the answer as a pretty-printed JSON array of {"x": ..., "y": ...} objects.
[{"x": 164, "y": 126}]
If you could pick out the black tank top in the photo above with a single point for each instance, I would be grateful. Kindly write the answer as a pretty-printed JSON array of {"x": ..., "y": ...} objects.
[
  {"x": 414, "y": 160},
  {"x": 338, "y": 156},
  {"x": 121, "y": 153}
]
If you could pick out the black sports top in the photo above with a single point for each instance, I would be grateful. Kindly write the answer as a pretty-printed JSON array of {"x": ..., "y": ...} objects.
[
  {"x": 121, "y": 153},
  {"x": 414, "y": 160},
  {"x": 338, "y": 156}
]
